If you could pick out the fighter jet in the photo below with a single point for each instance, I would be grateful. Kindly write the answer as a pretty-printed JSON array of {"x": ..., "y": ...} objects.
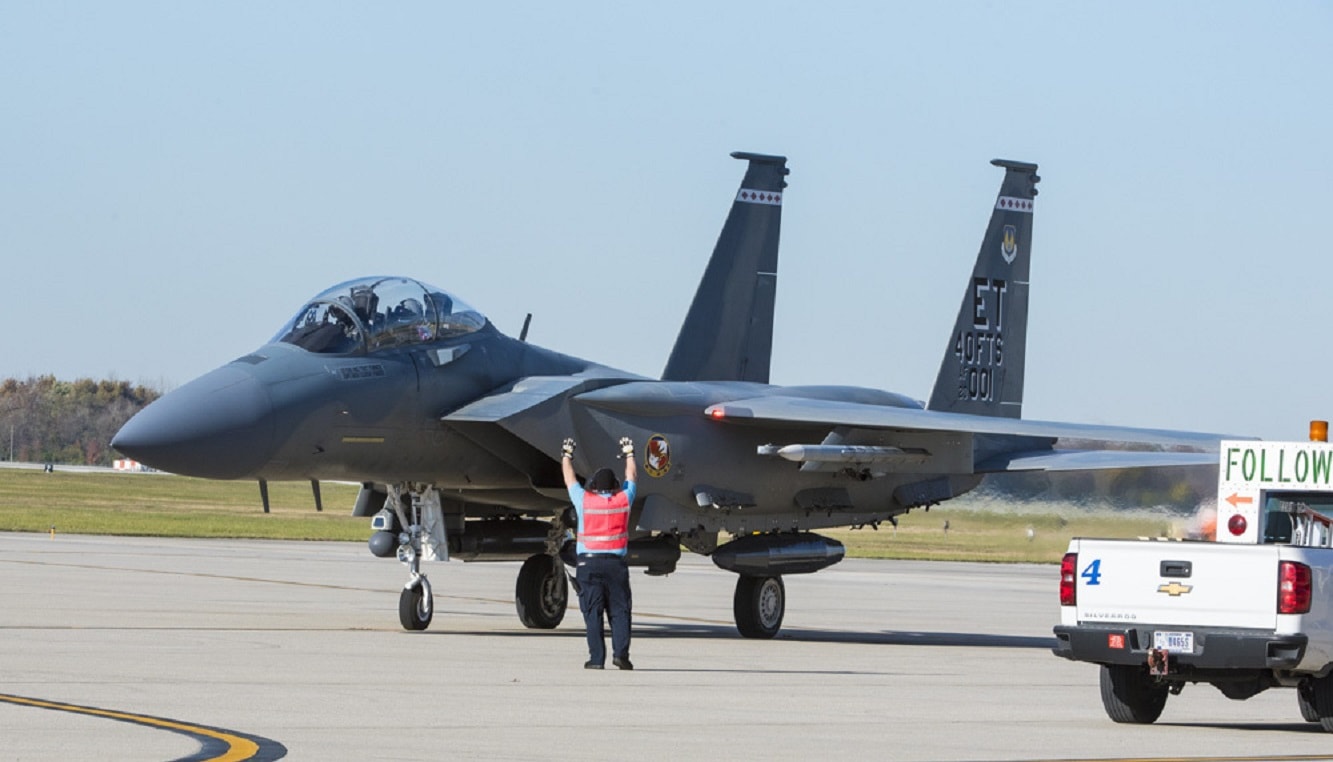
[{"x": 454, "y": 429}]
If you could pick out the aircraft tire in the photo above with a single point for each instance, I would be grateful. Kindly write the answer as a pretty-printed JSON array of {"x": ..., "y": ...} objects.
[
  {"x": 415, "y": 608},
  {"x": 1130, "y": 695},
  {"x": 759, "y": 605},
  {"x": 541, "y": 593}
]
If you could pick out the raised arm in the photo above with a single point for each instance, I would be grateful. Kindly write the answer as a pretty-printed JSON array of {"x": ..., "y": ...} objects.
[
  {"x": 631, "y": 470},
  {"x": 567, "y": 462}
]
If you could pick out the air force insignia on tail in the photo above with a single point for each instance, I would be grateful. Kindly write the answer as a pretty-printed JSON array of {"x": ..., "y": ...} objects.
[{"x": 1009, "y": 244}]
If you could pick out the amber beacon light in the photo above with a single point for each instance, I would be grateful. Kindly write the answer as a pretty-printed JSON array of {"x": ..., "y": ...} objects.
[{"x": 1318, "y": 431}]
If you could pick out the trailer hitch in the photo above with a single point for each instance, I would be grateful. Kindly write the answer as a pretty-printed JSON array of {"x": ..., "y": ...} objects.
[{"x": 1159, "y": 662}]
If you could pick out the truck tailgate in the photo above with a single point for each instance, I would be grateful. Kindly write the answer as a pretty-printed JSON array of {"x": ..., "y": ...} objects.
[{"x": 1187, "y": 583}]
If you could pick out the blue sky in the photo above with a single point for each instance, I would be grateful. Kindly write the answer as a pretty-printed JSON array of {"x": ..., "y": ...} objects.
[{"x": 178, "y": 178}]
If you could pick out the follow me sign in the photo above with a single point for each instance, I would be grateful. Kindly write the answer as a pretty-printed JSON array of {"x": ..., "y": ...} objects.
[{"x": 1296, "y": 464}]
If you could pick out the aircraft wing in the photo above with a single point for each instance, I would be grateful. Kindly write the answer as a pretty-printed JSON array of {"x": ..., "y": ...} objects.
[
  {"x": 785, "y": 411},
  {"x": 1092, "y": 460},
  {"x": 524, "y": 422},
  {"x": 520, "y": 397}
]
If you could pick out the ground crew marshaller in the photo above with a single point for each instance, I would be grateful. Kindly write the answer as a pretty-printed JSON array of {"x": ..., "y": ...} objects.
[{"x": 603, "y": 539}]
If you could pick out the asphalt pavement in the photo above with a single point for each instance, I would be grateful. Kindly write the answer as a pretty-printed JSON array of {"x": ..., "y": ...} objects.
[{"x": 141, "y": 648}]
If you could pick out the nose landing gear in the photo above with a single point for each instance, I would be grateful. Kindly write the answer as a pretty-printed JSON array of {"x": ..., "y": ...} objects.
[
  {"x": 416, "y": 605},
  {"x": 421, "y": 534}
]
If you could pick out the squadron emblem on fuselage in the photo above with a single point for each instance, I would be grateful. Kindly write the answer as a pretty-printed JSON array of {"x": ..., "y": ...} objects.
[{"x": 658, "y": 456}]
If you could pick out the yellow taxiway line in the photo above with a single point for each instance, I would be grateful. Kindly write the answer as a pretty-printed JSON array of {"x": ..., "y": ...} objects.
[{"x": 219, "y": 745}]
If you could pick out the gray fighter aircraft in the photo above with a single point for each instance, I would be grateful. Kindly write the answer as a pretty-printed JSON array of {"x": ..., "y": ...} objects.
[{"x": 454, "y": 429}]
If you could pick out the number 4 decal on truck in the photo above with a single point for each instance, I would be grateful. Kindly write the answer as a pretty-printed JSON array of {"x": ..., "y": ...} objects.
[{"x": 1093, "y": 572}]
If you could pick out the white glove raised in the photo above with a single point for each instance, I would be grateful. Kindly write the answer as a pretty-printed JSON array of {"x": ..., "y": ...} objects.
[
  {"x": 567, "y": 449},
  {"x": 626, "y": 446}
]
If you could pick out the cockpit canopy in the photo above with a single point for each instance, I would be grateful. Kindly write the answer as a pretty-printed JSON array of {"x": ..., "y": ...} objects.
[{"x": 376, "y": 313}]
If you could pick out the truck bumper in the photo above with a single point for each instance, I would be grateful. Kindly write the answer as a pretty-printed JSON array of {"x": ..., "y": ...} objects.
[{"x": 1214, "y": 648}]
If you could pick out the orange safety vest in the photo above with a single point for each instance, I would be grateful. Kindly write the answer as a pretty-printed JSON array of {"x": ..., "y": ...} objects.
[{"x": 605, "y": 525}]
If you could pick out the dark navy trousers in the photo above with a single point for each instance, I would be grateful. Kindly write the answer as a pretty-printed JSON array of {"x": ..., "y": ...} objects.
[{"x": 604, "y": 587}]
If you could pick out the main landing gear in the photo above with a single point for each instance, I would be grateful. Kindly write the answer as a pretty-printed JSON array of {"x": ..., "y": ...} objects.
[
  {"x": 759, "y": 604},
  {"x": 760, "y": 560},
  {"x": 541, "y": 593}
]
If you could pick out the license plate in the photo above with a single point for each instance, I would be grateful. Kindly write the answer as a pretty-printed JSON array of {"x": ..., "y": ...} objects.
[{"x": 1175, "y": 642}]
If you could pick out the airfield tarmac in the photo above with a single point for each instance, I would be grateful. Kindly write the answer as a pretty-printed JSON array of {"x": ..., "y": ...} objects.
[{"x": 206, "y": 649}]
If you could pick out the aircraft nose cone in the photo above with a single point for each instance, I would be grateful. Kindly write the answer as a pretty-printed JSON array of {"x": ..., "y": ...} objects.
[{"x": 219, "y": 426}]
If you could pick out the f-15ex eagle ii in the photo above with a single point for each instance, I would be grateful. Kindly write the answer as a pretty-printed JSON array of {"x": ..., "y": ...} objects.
[{"x": 454, "y": 429}]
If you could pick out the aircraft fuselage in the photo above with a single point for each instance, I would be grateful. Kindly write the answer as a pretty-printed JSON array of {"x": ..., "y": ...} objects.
[{"x": 285, "y": 413}]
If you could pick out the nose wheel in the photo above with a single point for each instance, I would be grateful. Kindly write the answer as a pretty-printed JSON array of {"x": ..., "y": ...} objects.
[
  {"x": 416, "y": 605},
  {"x": 415, "y": 516}
]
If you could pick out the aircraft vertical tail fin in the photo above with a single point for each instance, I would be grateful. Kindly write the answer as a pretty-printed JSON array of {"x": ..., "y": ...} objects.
[
  {"x": 982, "y": 371},
  {"x": 728, "y": 332}
]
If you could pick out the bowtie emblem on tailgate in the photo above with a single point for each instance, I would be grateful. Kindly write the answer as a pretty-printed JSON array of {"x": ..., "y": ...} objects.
[{"x": 1175, "y": 589}]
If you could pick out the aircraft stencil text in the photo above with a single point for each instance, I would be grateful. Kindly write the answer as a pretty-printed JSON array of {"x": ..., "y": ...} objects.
[
  {"x": 981, "y": 350},
  {"x": 982, "y": 288}
]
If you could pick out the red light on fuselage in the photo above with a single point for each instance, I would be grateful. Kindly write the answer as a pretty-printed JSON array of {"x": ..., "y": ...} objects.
[
  {"x": 716, "y": 413},
  {"x": 1237, "y": 524}
]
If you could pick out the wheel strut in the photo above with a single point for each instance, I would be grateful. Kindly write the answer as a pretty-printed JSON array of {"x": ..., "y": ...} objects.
[{"x": 416, "y": 604}]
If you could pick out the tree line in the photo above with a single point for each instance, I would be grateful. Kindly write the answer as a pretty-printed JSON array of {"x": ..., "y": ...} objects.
[
  {"x": 46, "y": 420},
  {"x": 1182, "y": 488}
]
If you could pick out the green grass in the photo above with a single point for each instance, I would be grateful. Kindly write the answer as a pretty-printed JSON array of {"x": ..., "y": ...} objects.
[
  {"x": 994, "y": 534},
  {"x": 175, "y": 506}
]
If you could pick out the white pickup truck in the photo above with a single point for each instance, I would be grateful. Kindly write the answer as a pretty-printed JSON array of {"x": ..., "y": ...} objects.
[{"x": 1249, "y": 610}]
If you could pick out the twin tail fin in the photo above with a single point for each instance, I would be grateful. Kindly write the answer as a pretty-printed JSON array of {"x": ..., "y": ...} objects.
[
  {"x": 982, "y": 371},
  {"x": 728, "y": 332}
]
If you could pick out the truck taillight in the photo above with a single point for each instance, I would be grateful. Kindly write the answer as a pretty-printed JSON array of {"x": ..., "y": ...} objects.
[
  {"x": 1069, "y": 584},
  {"x": 1294, "y": 588}
]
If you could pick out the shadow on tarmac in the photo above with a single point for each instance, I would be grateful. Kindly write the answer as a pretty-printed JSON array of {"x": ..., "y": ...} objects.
[
  {"x": 1278, "y": 727},
  {"x": 795, "y": 635}
]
